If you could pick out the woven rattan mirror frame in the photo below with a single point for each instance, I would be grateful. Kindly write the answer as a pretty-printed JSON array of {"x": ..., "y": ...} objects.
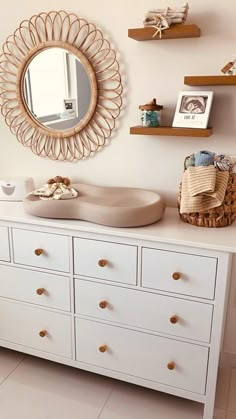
[{"x": 86, "y": 42}]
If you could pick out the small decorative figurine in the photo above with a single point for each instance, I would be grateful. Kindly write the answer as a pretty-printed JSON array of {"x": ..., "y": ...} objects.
[
  {"x": 151, "y": 114},
  {"x": 229, "y": 68}
]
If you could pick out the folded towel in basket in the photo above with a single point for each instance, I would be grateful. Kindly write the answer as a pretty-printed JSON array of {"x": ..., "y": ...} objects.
[
  {"x": 201, "y": 179},
  {"x": 204, "y": 195}
]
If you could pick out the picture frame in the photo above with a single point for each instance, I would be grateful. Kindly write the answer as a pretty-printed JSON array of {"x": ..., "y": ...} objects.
[
  {"x": 193, "y": 109},
  {"x": 70, "y": 108}
]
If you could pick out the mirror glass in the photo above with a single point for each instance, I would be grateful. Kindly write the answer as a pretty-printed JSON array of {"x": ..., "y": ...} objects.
[{"x": 57, "y": 89}]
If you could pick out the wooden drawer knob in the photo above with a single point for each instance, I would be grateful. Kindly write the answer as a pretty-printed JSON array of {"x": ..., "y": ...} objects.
[
  {"x": 40, "y": 291},
  {"x": 42, "y": 333},
  {"x": 176, "y": 276},
  {"x": 103, "y": 304},
  {"x": 38, "y": 252},
  {"x": 171, "y": 365},
  {"x": 102, "y": 348},
  {"x": 102, "y": 263},
  {"x": 174, "y": 319}
]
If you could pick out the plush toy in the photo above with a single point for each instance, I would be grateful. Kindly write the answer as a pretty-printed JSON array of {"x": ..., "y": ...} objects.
[
  {"x": 59, "y": 179},
  {"x": 56, "y": 188}
]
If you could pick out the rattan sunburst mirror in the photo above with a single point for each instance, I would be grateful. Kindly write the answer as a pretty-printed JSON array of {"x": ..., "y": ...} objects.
[{"x": 60, "y": 86}]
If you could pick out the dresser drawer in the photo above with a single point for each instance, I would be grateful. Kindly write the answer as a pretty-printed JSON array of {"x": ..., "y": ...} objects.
[
  {"x": 35, "y": 287},
  {"x": 42, "y": 250},
  {"x": 4, "y": 244},
  {"x": 142, "y": 355},
  {"x": 22, "y": 324},
  {"x": 179, "y": 272},
  {"x": 105, "y": 260},
  {"x": 173, "y": 316}
]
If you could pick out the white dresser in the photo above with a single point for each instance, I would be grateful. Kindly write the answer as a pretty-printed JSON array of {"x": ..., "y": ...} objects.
[{"x": 144, "y": 305}]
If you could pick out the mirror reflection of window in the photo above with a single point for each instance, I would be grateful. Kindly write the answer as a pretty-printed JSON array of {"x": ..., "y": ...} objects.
[
  {"x": 57, "y": 89},
  {"x": 48, "y": 81}
]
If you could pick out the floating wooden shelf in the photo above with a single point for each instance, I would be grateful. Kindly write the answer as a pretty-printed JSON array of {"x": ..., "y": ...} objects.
[
  {"x": 209, "y": 80},
  {"x": 176, "y": 31},
  {"x": 171, "y": 131}
]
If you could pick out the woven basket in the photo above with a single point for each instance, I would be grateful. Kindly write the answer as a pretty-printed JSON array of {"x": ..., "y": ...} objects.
[{"x": 221, "y": 216}]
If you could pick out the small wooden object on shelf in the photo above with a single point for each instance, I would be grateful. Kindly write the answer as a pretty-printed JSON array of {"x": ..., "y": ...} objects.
[
  {"x": 209, "y": 80},
  {"x": 174, "y": 32},
  {"x": 170, "y": 131}
]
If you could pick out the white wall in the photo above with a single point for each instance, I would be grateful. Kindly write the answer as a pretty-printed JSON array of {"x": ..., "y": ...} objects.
[{"x": 149, "y": 69}]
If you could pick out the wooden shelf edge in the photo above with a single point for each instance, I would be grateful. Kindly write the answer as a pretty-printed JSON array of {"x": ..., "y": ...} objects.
[
  {"x": 210, "y": 80},
  {"x": 174, "y": 32},
  {"x": 171, "y": 131}
]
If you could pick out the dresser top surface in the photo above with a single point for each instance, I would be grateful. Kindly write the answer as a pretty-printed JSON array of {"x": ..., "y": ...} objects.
[{"x": 168, "y": 230}]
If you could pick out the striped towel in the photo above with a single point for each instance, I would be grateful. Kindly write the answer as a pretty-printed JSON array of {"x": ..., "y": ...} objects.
[
  {"x": 203, "y": 187},
  {"x": 201, "y": 179}
]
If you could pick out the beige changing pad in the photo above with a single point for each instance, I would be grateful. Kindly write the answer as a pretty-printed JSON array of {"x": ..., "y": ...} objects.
[{"x": 111, "y": 206}]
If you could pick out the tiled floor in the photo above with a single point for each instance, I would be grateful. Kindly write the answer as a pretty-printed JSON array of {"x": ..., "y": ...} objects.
[{"x": 32, "y": 388}]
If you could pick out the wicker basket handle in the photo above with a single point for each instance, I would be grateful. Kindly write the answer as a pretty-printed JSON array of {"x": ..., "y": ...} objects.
[{"x": 185, "y": 160}]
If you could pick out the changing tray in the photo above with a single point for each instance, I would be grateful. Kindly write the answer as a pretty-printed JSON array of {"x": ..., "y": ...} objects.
[{"x": 110, "y": 206}]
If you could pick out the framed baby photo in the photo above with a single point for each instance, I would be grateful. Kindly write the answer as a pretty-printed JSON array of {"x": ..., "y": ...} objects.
[{"x": 193, "y": 109}]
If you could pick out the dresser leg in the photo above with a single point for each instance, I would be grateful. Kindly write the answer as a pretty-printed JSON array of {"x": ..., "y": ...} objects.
[{"x": 209, "y": 409}]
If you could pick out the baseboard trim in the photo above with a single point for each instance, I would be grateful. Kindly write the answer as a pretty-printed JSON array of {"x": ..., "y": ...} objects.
[{"x": 228, "y": 359}]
